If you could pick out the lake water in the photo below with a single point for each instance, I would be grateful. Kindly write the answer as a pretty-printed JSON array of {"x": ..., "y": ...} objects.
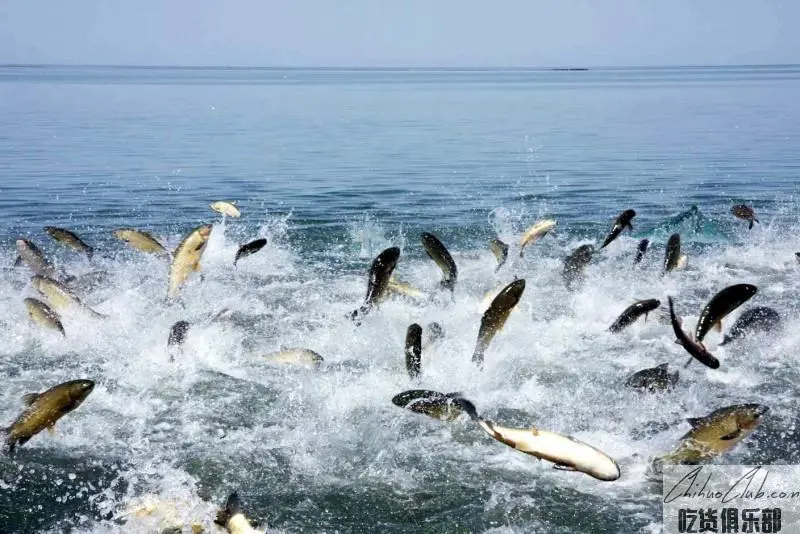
[{"x": 332, "y": 166}]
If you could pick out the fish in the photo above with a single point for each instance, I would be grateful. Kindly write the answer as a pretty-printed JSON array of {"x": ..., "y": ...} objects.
[
  {"x": 296, "y": 356},
  {"x": 575, "y": 263},
  {"x": 399, "y": 287},
  {"x": 60, "y": 296},
  {"x": 500, "y": 251},
  {"x": 751, "y": 321},
  {"x": 141, "y": 241},
  {"x": 44, "y": 315},
  {"x": 641, "y": 250},
  {"x": 69, "y": 239},
  {"x": 672, "y": 256},
  {"x": 715, "y": 434},
  {"x": 413, "y": 350},
  {"x": 441, "y": 406},
  {"x": 226, "y": 208},
  {"x": 695, "y": 348},
  {"x": 532, "y": 234},
  {"x": 232, "y": 519},
  {"x": 653, "y": 380},
  {"x": 633, "y": 312},
  {"x": 250, "y": 248},
  {"x": 495, "y": 317},
  {"x": 43, "y": 410},
  {"x": 380, "y": 273},
  {"x": 721, "y": 305},
  {"x": 34, "y": 258},
  {"x": 740, "y": 211},
  {"x": 88, "y": 281},
  {"x": 187, "y": 258},
  {"x": 441, "y": 256},
  {"x": 565, "y": 452},
  {"x": 622, "y": 221},
  {"x": 177, "y": 333}
]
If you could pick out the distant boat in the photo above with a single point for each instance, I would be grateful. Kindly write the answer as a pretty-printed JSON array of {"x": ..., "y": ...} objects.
[{"x": 569, "y": 68}]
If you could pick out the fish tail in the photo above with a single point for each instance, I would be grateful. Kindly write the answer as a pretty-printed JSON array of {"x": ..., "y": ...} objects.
[
  {"x": 751, "y": 224},
  {"x": 232, "y": 507},
  {"x": 726, "y": 340}
]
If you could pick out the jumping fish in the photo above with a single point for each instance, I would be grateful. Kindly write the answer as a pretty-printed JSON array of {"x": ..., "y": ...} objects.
[
  {"x": 740, "y": 211},
  {"x": 380, "y": 273},
  {"x": 226, "y": 208},
  {"x": 714, "y": 434},
  {"x": 414, "y": 350},
  {"x": 34, "y": 258},
  {"x": 187, "y": 258},
  {"x": 565, "y": 452},
  {"x": 653, "y": 380},
  {"x": 399, "y": 287},
  {"x": 250, "y": 248},
  {"x": 633, "y": 312},
  {"x": 751, "y": 321},
  {"x": 69, "y": 239},
  {"x": 500, "y": 251},
  {"x": 641, "y": 250},
  {"x": 439, "y": 254},
  {"x": 721, "y": 305},
  {"x": 575, "y": 263},
  {"x": 622, "y": 221},
  {"x": 495, "y": 317},
  {"x": 299, "y": 357},
  {"x": 44, "y": 410},
  {"x": 44, "y": 315},
  {"x": 672, "y": 256},
  {"x": 177, "y": 333},
  {"x": 141, "y": 241},
  {"x": 59, "y": 296},
  {"x": 532, "y": 234},
  {"x": 441, "y": 406},
  {"x": 695, "y": 348}
]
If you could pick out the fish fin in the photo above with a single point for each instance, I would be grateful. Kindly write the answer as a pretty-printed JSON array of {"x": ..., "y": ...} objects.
[
  {"x": 718, "y": 326},
  {"x": 630, "y": 226},
  {"x": 645, "y": 316},
  {"x": 726, "y": 340},
  {"x": 196, "y": 267},
  {"x": 18, "y": 261},
  {"x": 51, "y": 428},
  {"x": 695, "y": 421},
  {"x": 750, "y": 228},
  {"x": 453, "y": 395},
  {"x": 733, "y": 435},
  {"x": 664, "y": 366},
  {"x": 232, "y": 507},
  {"x": 468, "y": 407},
  {"x": 563, "y": 467},
  {"x": 29, "y": 398}
]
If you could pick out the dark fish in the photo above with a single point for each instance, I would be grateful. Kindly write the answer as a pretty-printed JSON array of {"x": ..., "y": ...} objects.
[
  {"x": 740, "y": 211},
  {"x": 442, "y": 406},
  {"x": 694, "y": 348},
  {"x": 620, "y": 223},
  {"x": 379, "y": 274},
  {"x": 721, "y": 305},
  {"x": 88, "y": 282},
  {"x": 439, "y": 254},
  {"x": 672, "y": 255},
  {"x": 654, "y": 379},
  {"x": 44, "y": 410},
  {"x": 633, "y": 312},
  {"x": 575, "y": 263},
  {"x": 177, "y": 334},
  {"x": 641, "y": 250},
  {"x": 500, "y": 251},
  {"x": 250, "y": 248},
  {"x": 413, "y": 350},
  {"x": 434, "y": 332},
  {"x": 495, "y": 317},
  {"x": 69, "y": 239},
  {"x": 751, "y": 321}
]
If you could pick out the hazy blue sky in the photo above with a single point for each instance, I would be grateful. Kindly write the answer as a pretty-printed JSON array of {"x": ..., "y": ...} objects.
[{"x": 400, "y": 32}]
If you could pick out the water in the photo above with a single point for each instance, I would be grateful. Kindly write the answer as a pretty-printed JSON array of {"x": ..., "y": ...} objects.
[{"x": 332, "y": 166}]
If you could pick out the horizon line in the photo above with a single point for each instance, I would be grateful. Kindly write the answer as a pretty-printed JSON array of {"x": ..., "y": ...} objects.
[{"x": 576, "y": 67}]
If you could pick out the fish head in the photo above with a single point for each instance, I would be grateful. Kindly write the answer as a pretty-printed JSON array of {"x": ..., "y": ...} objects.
[
  {"x": 78, "y": 390},
  {"x": 748, "y": 416}
]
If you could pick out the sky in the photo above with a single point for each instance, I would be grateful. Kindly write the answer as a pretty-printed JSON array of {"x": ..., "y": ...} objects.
[{"x": 498, "y": 33}]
